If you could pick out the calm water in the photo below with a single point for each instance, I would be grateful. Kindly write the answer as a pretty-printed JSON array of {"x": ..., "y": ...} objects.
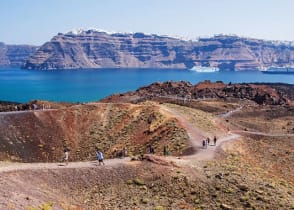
[{"x": 92, "y": 85}]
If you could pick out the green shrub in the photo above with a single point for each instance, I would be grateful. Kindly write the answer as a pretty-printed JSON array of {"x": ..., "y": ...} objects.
[{"x": 139, "y": 182}]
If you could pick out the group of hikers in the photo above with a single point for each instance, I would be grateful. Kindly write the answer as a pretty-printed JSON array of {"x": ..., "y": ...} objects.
[
  {"x": 33, "y": 106},
  {"x": 122, "y": 153},
  {"x": 119, "y": 154},
  {"x": 99, "y": 156},
  {"x": 116, "y": 154},
  {"x": 166, "y": 151},
  {"x": 206, "y": 142}
]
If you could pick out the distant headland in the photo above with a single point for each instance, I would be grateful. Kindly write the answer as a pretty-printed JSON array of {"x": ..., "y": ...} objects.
[{"x": 84, "y": 49}]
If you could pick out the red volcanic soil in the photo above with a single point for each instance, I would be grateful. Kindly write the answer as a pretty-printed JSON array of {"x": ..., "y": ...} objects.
[{"x": 41, "y": 135}]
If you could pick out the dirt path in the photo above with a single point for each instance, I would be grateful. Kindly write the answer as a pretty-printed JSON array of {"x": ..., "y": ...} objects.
[
  {"x": 209, "y": 152},
  {"x": 230, "y": 113},
  {"x": 264, "y": 134},
  {"x": 9, "y": 167},
  {"x": 237, "y": 131},
  {"x": 195, "y": 134},
  {"x": 196, "y": 137},
  {"x": 24, "y": 111}
]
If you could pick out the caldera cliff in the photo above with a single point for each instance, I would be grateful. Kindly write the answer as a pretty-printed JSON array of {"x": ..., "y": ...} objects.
[
  {"x": 99, "y": 49},
  {"x": 15, "y": 55}
]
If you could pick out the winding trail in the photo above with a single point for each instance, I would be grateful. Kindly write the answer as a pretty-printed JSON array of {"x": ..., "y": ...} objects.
[
  {"x": 10, "y": 167},
  {"x": 264, "y": 134},
  {"x": 242, "y": 132},
  {"x": 194, "y": 133},
  {"x": 196, "y": 137},
  {"x": 24, "y": 111},
  {"x": 230, "y": 113}
]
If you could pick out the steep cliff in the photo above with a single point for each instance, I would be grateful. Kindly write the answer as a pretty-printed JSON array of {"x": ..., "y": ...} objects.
[
  {"x": 15, "y": 55},
  {"x": 99, "y": 49},
  {"x": 94, "y": 49},
  {"x": 4, "y": 61}
]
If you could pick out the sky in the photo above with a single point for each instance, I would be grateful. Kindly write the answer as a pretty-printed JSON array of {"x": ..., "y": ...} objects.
[{"x": 37, "y": 21}]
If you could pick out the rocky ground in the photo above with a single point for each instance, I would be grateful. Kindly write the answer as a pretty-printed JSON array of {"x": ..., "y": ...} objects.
[
  {"x": 251, "y": 167},
  {"x": 184, "y": 93},
  {"x": 231, "y": 182}
]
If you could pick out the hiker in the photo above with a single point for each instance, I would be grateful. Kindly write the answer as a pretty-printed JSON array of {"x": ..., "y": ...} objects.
[
  {"x": 34, "y": 106},
  {"x": 151, "y": 150},
  {"x": 214, "y": 140},
  {"x": 208, "y": 141},
  {"x": 204, "y": 143},
  {"x": 165, "y": 150},
  {"x": 115, "y": 154},
  {"x": 66, "y": 155},
  {"x": 124, "y": 152},
  {"x": 100, "y": 158}
]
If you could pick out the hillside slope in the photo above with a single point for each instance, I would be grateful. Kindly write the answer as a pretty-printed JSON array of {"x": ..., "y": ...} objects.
[
  {"x": 38, "y": 136},
  {"x": 251, "y": 172}
]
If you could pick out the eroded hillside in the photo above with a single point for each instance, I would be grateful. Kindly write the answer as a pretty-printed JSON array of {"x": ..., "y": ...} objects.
[
  {"x": 254, "y": 171},
  {"x": 41, "y": 135}
]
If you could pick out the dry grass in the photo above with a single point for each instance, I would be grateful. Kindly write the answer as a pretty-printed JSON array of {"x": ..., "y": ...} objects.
[{"x": 204, "y": 121}]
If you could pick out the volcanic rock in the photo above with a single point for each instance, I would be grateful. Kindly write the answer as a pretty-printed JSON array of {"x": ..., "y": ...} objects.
[{"x": 270, "y": 94}]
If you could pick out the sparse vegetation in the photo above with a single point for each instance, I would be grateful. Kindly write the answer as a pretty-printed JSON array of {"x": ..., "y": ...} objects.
[{"x": 254, "y": 172}]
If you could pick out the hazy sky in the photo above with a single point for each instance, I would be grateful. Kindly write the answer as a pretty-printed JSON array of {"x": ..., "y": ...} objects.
[{"x": 37, "y": 21}]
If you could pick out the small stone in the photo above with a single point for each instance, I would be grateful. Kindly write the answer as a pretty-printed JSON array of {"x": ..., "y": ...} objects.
[
  {"x": 243, "y": 187},
  {"x": 144, "y": 200},
  {"x": 219, "y": 176},
  {"x": 225, "y": 206}
]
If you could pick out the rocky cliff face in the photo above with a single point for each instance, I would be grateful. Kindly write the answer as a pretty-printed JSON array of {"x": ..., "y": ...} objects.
[
  {"x": 97, "y": 49},
  {"x": 4, "y": 61},
  {"x": 15, "y": 55},
  {"x": 269, "y": 94},
  {"x": 92, "y": 49}
]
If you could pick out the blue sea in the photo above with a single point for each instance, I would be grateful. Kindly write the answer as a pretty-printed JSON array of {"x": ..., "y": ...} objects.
[{"x": 91, "y": 85}]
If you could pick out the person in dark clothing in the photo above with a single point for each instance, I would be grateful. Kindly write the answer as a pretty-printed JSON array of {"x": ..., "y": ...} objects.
[
  {"x": 151, "y": 150},
  {"x": 214, "y": 140},
  {"x": 123, "y": 152},
  {"x": 204, "y": 143},
  {"x": 165, "y": 150}
]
